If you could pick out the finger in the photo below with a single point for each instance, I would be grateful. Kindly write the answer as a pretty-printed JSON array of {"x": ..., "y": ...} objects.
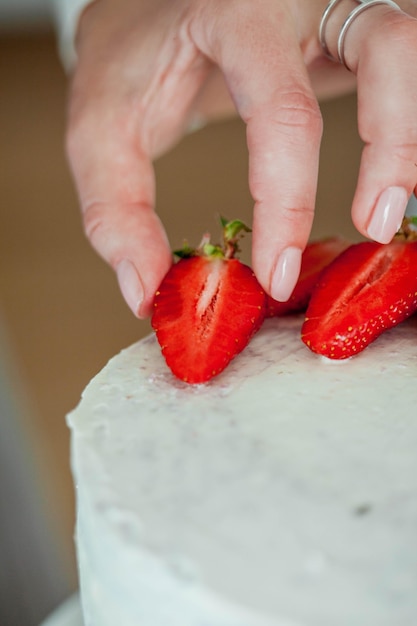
[
  {"x": 130, "y": 100},
  {"x": 115, "y": 181},
  {"x": 260, "y": 57},
  {"x": 381, "y": 48}
]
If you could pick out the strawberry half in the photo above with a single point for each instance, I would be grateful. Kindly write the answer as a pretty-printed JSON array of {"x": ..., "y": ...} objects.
[
  {"x": 316, "y": 256},
  {"x": 366, "y": 290},
  {"x": 207, "y": 308}
]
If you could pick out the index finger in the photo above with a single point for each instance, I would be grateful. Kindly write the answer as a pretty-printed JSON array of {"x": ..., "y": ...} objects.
[{"x": 261, "y": 59}]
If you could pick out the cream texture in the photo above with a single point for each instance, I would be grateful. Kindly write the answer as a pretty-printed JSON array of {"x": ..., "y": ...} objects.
[{"x": 282, "y": 493}]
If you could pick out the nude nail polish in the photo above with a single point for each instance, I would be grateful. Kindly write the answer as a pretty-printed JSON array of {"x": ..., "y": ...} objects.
[
  {"x": 388, "y": 214},
  {"x": 130, "y": 285},
  {"x": 285, "y": 274}
]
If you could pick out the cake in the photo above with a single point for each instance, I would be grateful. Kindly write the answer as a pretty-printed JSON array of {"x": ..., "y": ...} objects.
[{"x": 281, "y": 493}]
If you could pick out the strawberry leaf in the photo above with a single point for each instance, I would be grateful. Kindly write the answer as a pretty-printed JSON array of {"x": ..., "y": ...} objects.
[
  {"x": 210, "y": 250},
  {"x": 233, "y": 229},
  {"x": 186, "y": 252}
]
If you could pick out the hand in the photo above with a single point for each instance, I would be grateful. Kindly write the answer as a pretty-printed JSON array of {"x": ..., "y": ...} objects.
[{"x": 147, "y": 68}]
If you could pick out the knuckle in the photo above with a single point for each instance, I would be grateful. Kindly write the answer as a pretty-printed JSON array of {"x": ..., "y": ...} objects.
[
  {"x": 298, "y": 110},
  {"x": 300, "y": 213},
  {"x": 94, "y": 224},
  {"x": 406, "y": 153},
  {"x": 101, "y": 232},
  {"x": 294, "y": 117}
]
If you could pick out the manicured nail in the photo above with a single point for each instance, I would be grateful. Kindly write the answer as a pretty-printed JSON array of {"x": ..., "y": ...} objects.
[
  {"x": 130, "y": 285},
  {"x": 388, "y": 214},
  {"x": 285, "y": 274}
]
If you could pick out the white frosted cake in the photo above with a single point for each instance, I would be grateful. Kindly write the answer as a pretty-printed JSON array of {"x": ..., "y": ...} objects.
[{"x": 282, "y": 493}]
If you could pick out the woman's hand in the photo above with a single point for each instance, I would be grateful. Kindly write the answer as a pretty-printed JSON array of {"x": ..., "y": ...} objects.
[{"x": 148, "y": 69}]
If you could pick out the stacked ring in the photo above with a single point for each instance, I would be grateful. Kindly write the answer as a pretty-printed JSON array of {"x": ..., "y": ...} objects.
[{"x": 363, "y": 5}]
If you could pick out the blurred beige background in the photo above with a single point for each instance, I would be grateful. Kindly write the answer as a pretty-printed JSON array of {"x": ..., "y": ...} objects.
[{"x": 61, "y": 309}]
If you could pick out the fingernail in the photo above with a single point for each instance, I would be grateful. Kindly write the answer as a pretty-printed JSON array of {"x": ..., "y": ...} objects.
[
  {"x": 285, "y": 274},
  {"x": 388, "y": 214},
  {"x": 130, "y": 285}
]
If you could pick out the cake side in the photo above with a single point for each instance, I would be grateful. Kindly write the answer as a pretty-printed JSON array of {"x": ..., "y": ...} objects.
[{"x": 283, "y": 492}]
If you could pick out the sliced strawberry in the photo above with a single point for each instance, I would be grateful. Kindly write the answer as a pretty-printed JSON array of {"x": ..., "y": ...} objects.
[
  {"x": 366, "y": 290},
  {"x": 206, "y": 310},
  {"x": 316, "y": 256}
]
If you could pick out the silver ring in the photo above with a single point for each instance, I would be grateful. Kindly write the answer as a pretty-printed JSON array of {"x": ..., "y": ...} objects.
[
  {"x": 322, "y": 29},
  {"x": 362, "y": 6}
]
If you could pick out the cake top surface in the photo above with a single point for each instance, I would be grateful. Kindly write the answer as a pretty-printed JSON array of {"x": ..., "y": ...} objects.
[{"x": 286, "y": 485}]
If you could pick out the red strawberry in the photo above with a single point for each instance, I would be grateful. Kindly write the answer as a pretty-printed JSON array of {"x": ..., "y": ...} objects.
[
  {"x": 207, "y": 308},
  {"x": 367, "y": 289},
  {"x": 316, "y": 257}
]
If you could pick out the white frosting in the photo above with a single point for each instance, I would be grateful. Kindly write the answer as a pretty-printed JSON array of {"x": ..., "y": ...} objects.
[{"x": 282, "y": 493}]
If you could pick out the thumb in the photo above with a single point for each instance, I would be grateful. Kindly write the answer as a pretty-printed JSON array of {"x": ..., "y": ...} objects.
[
  {"x": 115, "y": 181},
  {"x": 130, "y": 237}
]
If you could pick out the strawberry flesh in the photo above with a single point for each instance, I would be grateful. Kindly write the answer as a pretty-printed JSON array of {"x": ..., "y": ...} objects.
[
  {"x": 316, "y": 256},
  {"x": 366, "y": 290},
  {"x": 205, "y": 312}
]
